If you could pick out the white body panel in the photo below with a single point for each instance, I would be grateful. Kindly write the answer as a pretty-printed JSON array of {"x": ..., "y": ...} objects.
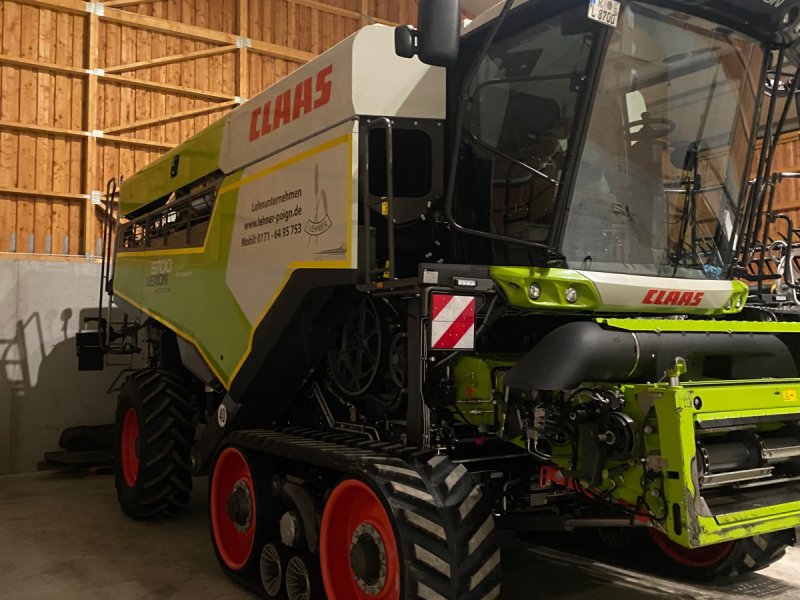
[
  {"x": 296, "y": 209},
  {"x": 625, "y": 292},
  {"x": 361, "y": 75}
]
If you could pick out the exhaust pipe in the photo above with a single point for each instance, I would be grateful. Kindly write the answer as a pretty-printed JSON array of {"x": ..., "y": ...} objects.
[{"x": 584, "y": 351}]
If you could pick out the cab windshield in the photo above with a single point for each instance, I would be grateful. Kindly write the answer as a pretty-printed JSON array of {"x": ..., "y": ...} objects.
[{"x": 660, "y": 177}]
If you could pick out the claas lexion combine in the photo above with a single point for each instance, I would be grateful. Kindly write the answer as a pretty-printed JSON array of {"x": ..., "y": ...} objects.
[{"x": 437, "y": 283}]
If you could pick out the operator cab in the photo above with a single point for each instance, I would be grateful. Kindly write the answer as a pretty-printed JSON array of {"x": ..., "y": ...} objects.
[{"x": 622, "y": 149}]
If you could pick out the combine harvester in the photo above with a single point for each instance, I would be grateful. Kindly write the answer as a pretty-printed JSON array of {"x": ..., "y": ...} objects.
[{"x": 411, "y": 294}]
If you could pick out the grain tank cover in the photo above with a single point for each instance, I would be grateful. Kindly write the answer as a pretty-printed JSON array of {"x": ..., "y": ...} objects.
[{"x": 359, "y": 76}]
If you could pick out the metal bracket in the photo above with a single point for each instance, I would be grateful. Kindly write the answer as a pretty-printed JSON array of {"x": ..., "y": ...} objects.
[
  {"x": 243, "y": 42},
  {"x": 96, "y": 8},
  {"x": 97, "y": 72},
  {"x": 96, "y": 197}
]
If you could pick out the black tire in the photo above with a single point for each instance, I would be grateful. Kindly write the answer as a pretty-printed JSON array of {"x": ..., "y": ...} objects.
[
  {"x": 443, "y": 528},
  {"x": 745, "y": 556},
  {"x": 158, "y": 482}
]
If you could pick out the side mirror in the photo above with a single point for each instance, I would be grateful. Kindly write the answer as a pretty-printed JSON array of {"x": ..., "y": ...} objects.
[{"x": 436, "y": 40}]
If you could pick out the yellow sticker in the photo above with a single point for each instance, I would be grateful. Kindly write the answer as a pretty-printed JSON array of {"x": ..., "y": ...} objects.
[
  {"x": 790, "y": 395},
  {"x": 385, "y": 208}
]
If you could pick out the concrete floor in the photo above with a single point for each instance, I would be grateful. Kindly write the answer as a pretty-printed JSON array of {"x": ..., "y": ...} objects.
[{"x": 62, "y": 537}]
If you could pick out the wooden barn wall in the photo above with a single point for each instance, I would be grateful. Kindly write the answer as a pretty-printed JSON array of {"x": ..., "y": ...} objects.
[
  {"x": 90, "y": 91},
  {"x": 787, "y": 192}
]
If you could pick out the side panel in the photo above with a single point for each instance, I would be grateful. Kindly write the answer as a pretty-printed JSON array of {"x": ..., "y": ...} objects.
[{"x": 295, "y": 210}]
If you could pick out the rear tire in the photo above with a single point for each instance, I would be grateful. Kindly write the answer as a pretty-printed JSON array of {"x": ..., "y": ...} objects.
[
  {"x": 728, "y": 559},
  {"x": 154, "y": 431}
]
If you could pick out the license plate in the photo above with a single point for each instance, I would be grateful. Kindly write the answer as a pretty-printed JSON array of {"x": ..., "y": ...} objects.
[{"x": 604, "y": 11}]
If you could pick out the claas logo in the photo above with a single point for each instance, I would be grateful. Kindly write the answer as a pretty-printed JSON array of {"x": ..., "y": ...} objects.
[
  {"x": 308, "y": 95},
  {"x": 673, "y": 298}
]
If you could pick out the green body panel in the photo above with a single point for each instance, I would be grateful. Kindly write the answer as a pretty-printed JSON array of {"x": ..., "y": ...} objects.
[
  {"x": 195, "y": 300},
  {"x": 476, "y": 379},
  {"x": 515, "y": 281},
  {"x": 677, "y": 416},
  {"x": 199, "y": 156}
]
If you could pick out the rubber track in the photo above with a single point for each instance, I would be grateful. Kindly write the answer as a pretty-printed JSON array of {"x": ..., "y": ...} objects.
[
  {"x": 444, "y": 527},
  {"x": 165, "y": 482}
]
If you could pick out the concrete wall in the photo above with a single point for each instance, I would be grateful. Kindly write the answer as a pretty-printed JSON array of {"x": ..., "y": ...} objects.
[{"x": 42, "y": 305}]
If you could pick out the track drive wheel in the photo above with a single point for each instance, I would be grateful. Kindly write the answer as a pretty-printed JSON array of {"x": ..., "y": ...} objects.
[
  {"x": 243, "y": 516},
  {"x": 727, "y": 559},
  {"x": 399, "y": 532},
  {"x": 153, "y": 437}
]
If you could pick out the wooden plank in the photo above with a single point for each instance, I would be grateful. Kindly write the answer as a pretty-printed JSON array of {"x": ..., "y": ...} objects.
[
  {"x": 329, "y": 9},
  {"x": 35, "y": 193},
  {"x": 303, "y": 16},
  {"x": 153, "y": 85},
  {"x": 158, "y": 101},
  {"x": 42, "y": 209},
  {"x": 230, "y": 73},
  {"x": 76, "y": 146},
  {"x": 46, "y": 258},
  {"x": 291, "y": 25},
  {"x": 9, "y": 109},
  {"x": 168, "y": 60},
  {"x": 61, "y": 115},
  {"x": 243, "y": 58},
  {"x": 201, "y": 76},
  {"x": 135, "y": 143},
  {"x": 315, "y": 32},
  {"x": 121, "y": 3},
  {"x": 42, "y": 129},
  {"x": 40, "y": 65},
  {"x": 187, "y": 74},
  {"x": 141, "y": 95},
  {"x": 61, "y": 145},
  {"x": 70, "y": 6},
  {"x": 90, "y": 170},
  {"x": 168, "y": 118},
  {"x": 29, "y": 48},
  {"x": 173, "y": 77}
]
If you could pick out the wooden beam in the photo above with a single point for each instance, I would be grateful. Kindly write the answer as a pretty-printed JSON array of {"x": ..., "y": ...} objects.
[
  {"x": 169, "y": 60},
  {"x": 364, "y": 13},
  {"x": 75, "y": 7},
  {"x": 39, "y": 65},
  {"x": 46, "y": 257},
  {"x": 45, "y": 129},
  {"x": 118, "y": 3},
  {"x": 343, "y": 12},
  {"x": 90, "y": 123},
  {"x": 384, "y": 22},
  {"x": 129, "y": 141},
  {"x": 165, "y": 87},
  {"x": 42, "y": 193},
  {"x": 243, "y": 57},
  {"x": 192, "y": 32},
  {"x": 194, "y": 112},
  {"x": 334, "y": 10}
]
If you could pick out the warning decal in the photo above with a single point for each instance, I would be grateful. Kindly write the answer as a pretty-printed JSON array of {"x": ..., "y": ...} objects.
[{"x": 453, "y": 322}]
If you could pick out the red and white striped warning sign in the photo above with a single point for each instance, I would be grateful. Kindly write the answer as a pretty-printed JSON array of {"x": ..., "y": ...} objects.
[{"x": 453, "y": 322}]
